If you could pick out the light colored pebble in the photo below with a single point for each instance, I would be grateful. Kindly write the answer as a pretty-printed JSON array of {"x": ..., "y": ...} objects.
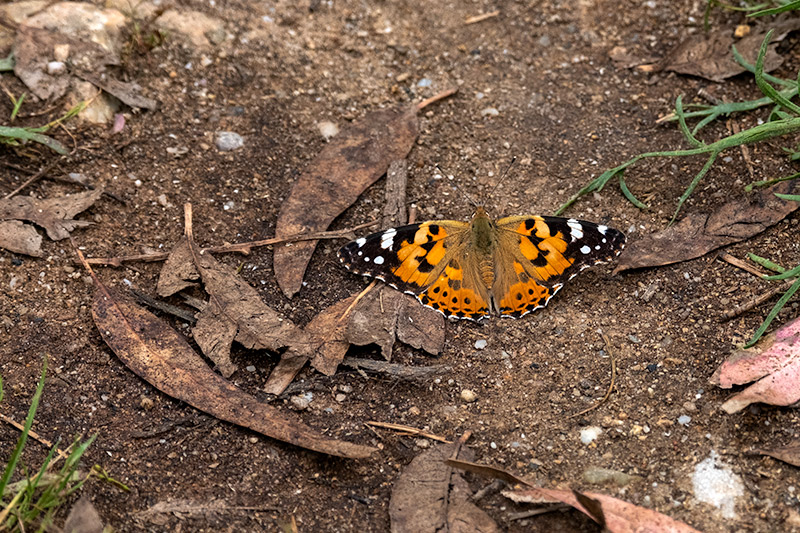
[{"x": 468, "y": 395}]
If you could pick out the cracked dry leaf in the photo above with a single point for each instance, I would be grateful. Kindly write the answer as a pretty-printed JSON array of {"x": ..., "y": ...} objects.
[
  {"x": 20, "y": 238},
  {"x": 178, "y": 271},
  {"x": 699, "y": 233},
  {"x": 53, "y": 214},
  {"x": 385, "y": 314},
  {"x": 332, "y": 182},
  {"x": 162, "y": 357},
  {"x": 708, "y": 55},
  {"x": 774, "y": 369},
  {"x": 83, "y": 518},
  {"x": 430, "y": 496},
  {"x": 328, "y": 334},
  {"x": 236, "y": 312},
  {"x": 788, "y": 454}
]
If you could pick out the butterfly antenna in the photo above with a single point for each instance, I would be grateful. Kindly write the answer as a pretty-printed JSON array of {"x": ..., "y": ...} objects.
[
  {"x": 472, "y": 202},
  {"x": 503, "y": 177}
]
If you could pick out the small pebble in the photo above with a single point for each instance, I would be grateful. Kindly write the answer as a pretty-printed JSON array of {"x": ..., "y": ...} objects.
[
  {"x": 490, "y": 112},
  {"x": 341, "y": 397},
  {"x": 422, "y": 443},
  {"x": 468, "y": 395},
  {"x": 424, "y": 82},
  {"x": 146, "y": 403},
  {"x": 684, "y": 420},
  {"x": 302, "y": 401},
  {"x": 589, "y": 434},
  {"x": 250, "y": 368},
  {"x": 227, "y": 141},
  {"x": 480, "y": 344},
  {"x": 327, "y": 129},
  {"x": 55, "y": 68},
  {"x": 413, "y": 410},
  {"x": 347, "y": 389}
]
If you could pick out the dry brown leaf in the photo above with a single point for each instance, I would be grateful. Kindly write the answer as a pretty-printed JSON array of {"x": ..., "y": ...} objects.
[
  {"x": 788, "y": 454},
  {"x": 54, "y": 214},
  {"x": 385, "y": 314},
  {"x": 20, "y": 238},
  {"x": 178, "y": 271},
  {"x": 328, "y": 335},
  {"x": 163, "y": 358},
  {"x": 699, "y": 233},
  {"x": 83, "y": 518},
  {"x": 429, "y": 496},
  {"x": 708, "y": 55},
  {"x": 351, "y": 162},
  {"x": 236, "y": 312},
  {"x": 126, "y": 92}
]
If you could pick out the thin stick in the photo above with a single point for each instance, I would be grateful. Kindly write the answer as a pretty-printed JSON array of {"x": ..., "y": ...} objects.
[
  {"x": 735, "y": 261},
  {"x": 538, "y": 511},
  {"x": 481, "y": 18},
  {"x": 33, "y": 435},
  {"x": 408, "y": 430},
  {"x": 755, "y": 302},
  {"x": 243, "y": 247},
  {"x": 44, "y": 170},
  {"x": 394, "y": 370},
  {"x": 610, "y": 386},
  {"x": 436, "y": 98}
]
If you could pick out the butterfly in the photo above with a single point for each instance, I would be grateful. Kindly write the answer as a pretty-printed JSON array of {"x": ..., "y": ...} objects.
[{"x": 508, "y": 267}]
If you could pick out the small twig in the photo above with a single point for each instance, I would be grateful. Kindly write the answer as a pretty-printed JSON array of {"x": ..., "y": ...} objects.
[
  {"x": 44, "y": 170},
  {"x": 538, "y": 511},
  {"x": 170, "y": 309},
  {"x": 481, "y": 18},
  {"x": 492, "y": 488},
  {"x": 34, "y": 435},
  {"x": 408, "y": 430},
  {"x": 610, "y": 386},
  {"x": 755, "y": 302},
  {"x": 744, "y": 265},
  {"x": 395, "y": 370},
  {"x": 412, "y": 213},
  {"x": 436, "y": 98},
  {"x": 243, "y": 247}
]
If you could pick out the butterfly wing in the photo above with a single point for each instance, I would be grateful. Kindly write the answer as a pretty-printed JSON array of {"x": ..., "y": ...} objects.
[
  {"x": 537, "y": 255},
  {"x": 426, "y": 260}
]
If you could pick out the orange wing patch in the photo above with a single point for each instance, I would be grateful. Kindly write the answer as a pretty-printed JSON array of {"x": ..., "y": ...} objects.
[
  {"x": 525, "y": 295},
  {"x": 420, "y": 255},
  {"x": 543, "y": 247},
  {"x": 448, "y": 295}
]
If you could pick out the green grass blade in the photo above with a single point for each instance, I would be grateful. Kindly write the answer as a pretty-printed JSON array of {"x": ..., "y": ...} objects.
[
  {"x": 15, "y": 455},
  {"x": 682, "y": 123},
  {"x": 752, "y": 69},
  {"x": 629, "y": 195},
  {"x": 765, "y": 87},
  {"x": 17, "y": 106},
  {"x": 7, "y": 63},
  {"x": 693, "y": 185},
  {"x": 786, "y": 275},
  {"x": 750, "y": 186},
  {"x": 790, "y": 197},
  {"x": 775, "y": 10},
  {"x": 29, "y": 135},
  {"x": 766, "y": 263},
  {"x": 773, "y": 313}
]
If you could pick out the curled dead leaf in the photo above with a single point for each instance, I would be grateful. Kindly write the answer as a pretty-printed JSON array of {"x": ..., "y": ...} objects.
[
  {"x": 53, "y": 214},
  {"x": 349, "y": 163}
]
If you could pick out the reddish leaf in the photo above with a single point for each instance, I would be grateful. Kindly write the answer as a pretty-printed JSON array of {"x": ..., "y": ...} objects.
[
  {"x": 775, "y": 370},
  {"x": 699, "y": 233},
  {"x": 351, "y": 162}
]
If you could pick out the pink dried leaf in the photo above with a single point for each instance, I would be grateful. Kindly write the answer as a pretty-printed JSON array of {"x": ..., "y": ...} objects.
[{"x": 775, "y": 370}]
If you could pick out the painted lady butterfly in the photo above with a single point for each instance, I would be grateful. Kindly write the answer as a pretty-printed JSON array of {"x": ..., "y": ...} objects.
[{"x": 507, "y": 267}]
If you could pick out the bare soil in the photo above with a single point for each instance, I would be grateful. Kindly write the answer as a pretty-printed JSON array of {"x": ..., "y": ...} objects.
[{"x": 565, "y": 111}]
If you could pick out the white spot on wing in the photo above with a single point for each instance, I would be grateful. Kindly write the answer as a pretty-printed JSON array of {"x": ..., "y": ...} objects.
[
  {"x": 379, "y": 260},
  {"x": 387, "y": 239},
  {"x": 361, "y": 242},
  {"x": 585, "y": 249},
  {"x": 576, "y": 230},
  {"x": 366, "y": 259},
  {"x": 602, "y": 229}
]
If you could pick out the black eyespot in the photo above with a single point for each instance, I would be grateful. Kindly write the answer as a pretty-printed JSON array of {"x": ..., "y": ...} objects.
[
  {"x": 455, "y": 300},
  {"x": 467, "y": 301},
  {"x": 529, "y": 224},
  {"x": 444, "y": 294},
  {"x": 519, "y": 296},
  {"x": 434, "y": 229},
  {"x": 436, "y": 290},
  {"x": 530, "y": 291}
]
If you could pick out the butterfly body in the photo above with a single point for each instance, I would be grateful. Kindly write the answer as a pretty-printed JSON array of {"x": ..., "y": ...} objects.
[{"x": 508, "y": 267}]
